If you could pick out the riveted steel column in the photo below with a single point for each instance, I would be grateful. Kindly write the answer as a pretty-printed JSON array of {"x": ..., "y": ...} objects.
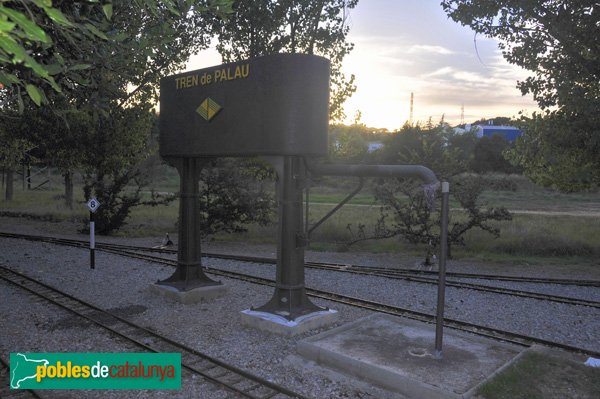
[
  {"x": 289, "y": 299},
  {"x": 189, "y": 274}
]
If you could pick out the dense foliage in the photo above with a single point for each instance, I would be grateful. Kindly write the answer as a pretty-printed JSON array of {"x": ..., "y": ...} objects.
[
  {"x": 559, "y": 41},
  {"x": 407, "y": 207},
  {"x": 100, "y": 115},
  {"x": 262, "y": 27},
  {"x": 233, "y": 194}
]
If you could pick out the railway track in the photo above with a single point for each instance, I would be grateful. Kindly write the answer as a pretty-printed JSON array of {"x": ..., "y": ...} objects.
[
  {"x": 134, "y": 252},
  {"x": 6, "y": 392},
  {"x": 377, "y": 273},
  {"x": 493, "y": 333},
  {"x": 237, "y": 381},
  {"x": 419, "y": 276},
  {"x": 427, "y": 276}
]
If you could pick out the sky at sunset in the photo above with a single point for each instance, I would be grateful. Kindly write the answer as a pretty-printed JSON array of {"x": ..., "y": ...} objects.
[{"x": 404, "y": 46}]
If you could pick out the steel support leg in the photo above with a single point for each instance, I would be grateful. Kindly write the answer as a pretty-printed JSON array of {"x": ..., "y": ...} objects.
[
  {"x": 189, "y": 273},
  {"x": 289, "y": 299}
]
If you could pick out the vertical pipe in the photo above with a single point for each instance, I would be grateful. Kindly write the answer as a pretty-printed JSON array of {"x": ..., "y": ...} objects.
[
  {"x": 442, "y": 270},
  {"x": 306, "y": 222},
  {"x": 290, "y": 254}
]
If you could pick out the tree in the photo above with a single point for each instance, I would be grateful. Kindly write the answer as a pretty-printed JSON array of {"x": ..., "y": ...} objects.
[
  {"x": 488, "y": 155},
  {"x": 429, "y": 145},
  {"x": 415, "y": 219},
  {"x": 114, "y": 87},
  {"x": 558, "y": 40},
  {"x": 262, "y": 27},
  {"x": 348, "y": 143},
  {"x": 33, "y": 35},
  {"x": 12, "y": 154},
  {"x": 407, "y": 209},
  {"x": 232, "y": 197},
  {"x": 559, "y": 151}
]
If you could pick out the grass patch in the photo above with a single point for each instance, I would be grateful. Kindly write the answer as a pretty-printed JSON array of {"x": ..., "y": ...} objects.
[
  {"x": 539, "y": 376},
  {"x": 528, "y": 238},
  {"x": 539, "y": 236},
  {"x": 44, "y": 205},
  {"x": 147, "y": 221},
  {"x": 335, "y": 198}
]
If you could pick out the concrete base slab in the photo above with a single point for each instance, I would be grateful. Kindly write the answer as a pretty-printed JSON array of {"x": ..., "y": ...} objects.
[
  {"x": 195, "y": 295},
  {"x": 279, "y": 325},
  {"x": 397, "y": 354}
]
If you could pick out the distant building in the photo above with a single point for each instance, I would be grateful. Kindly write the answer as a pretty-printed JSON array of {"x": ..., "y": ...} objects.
[
  {"x": 510, "y": 133},
  {"x": 374, "y": 146}
]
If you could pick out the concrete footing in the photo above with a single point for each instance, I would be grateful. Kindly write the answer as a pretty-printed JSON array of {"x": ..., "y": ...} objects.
[
  {"x": 398, "y": 354},
  {"x": 279, "y": 325},
  {"x": 195, "y": 295}
]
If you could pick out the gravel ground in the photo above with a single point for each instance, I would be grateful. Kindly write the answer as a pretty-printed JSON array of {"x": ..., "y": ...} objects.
[
  {"x": 574, "y": 325},
  {"x": 570, "y": 291},
  {"x": 214, "y": 327}
]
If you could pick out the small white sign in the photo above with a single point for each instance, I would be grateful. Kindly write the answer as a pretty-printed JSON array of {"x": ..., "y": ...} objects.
[{"x": 93, "y": 205}]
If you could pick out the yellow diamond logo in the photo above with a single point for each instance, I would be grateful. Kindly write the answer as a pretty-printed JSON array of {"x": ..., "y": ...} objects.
[{"x": 208, "y": 109}]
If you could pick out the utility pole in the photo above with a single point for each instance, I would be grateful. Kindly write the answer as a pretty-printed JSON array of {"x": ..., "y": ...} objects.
[{"x": 410, "y": 118}]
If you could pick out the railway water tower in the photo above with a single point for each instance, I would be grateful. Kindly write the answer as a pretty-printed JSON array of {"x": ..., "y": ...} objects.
[{"x": 274, "y": 107}]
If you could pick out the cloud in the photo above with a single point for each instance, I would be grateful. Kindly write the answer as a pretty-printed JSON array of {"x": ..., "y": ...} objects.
[
  {"x": 424, "y": 48},
  {"x": 439, "y": 72}
]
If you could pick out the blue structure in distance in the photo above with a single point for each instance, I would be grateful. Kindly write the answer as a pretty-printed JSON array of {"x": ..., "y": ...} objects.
[{"x": 510, "y": 133}]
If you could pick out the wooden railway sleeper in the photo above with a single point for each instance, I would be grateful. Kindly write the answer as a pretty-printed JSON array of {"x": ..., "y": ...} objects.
[
  {"x": 216, "y": 372},
  {"x": 197, "y": 364},
  {"x": 230, "y": 377},
  {"x": 190, "y": 359},
  {"x": 262, "y": 391},
  {"x": 243, "y": 384},
  {"x": 208, "y": 369},
  {"x": 251, "y": 388}
]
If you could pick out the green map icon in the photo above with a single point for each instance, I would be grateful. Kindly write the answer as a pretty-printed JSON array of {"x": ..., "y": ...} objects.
[{"x": 23, "y": 368}]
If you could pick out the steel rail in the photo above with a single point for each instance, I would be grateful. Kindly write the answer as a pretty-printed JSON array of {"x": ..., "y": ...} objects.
[
  {"x": 5, "y": 390},
  {"x": 425, "y": 280},
  {"x": 362, "y": 270},
  {"x": 215, "y": 371},
  {"x": 464, "y": 285},
  {"x": 257, "y": 259},
  {"x": 489, "y": 332}
]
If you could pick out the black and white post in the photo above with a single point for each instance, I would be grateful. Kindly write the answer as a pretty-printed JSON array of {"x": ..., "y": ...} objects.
[{"x": 93, "y": 206}]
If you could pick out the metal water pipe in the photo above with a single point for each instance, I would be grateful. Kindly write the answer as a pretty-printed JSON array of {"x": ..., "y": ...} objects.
[
  {"x": 431, "y": 184},
  {"x": 406, "y": 171}
]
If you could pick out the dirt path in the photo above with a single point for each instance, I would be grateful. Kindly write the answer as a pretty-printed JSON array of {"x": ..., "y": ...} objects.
[{"x": 515, "y": 211}]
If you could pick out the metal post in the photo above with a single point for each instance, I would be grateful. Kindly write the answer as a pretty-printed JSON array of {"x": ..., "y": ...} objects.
[
  {"x": 189, "y": 273},
  {"x": 92, "y": 241},
  {"x": 289, "y": 299},
  {"x": 442, "y": 271}
]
